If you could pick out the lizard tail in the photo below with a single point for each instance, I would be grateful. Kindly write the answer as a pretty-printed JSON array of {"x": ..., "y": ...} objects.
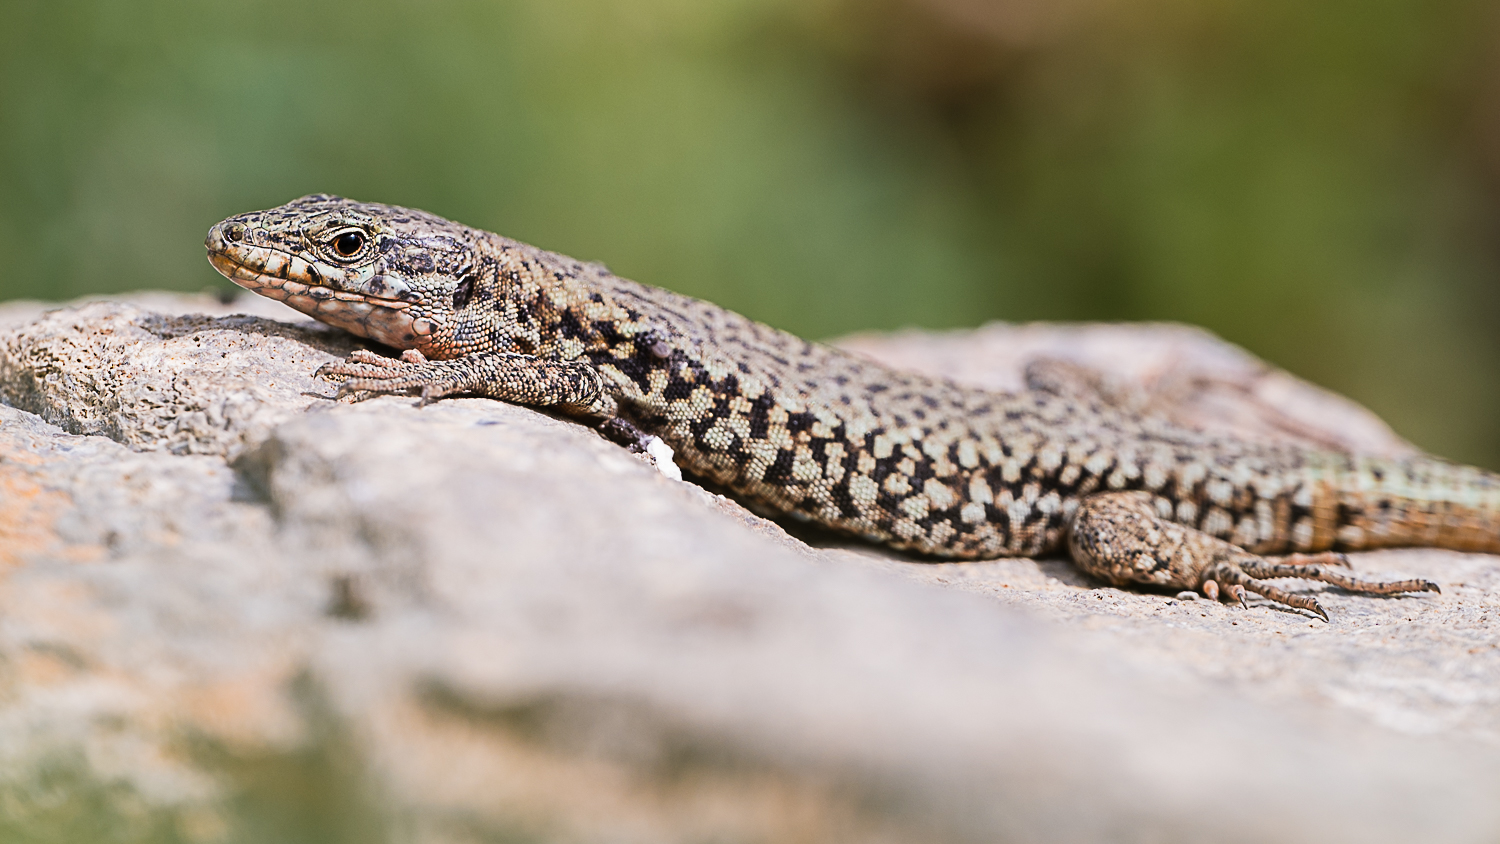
[{"x": 1421, "y": 501}]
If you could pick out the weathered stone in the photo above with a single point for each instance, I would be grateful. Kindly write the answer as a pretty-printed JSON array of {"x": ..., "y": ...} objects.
[
  {"x": 291, "y": 619},
  {"x": 188, "y": 384}
]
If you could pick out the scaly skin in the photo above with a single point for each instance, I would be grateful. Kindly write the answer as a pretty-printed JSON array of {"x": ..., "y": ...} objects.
[{"x": 804, "y": 429}]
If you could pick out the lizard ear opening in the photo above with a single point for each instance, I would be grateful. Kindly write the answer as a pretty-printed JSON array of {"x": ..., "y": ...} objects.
[{"x": 463, "y": 293}]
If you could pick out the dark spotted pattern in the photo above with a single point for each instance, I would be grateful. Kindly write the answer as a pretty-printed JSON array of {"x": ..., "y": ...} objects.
[{"x": 805, "y": 429}]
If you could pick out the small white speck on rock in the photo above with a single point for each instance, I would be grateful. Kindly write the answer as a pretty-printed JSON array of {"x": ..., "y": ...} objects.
[
  {"x": 1187, "y": 595},
  {"x": 661, "y": 458}
]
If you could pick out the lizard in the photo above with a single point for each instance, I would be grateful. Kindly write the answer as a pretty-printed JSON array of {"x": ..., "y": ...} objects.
[{"x": 798, "y": 428}]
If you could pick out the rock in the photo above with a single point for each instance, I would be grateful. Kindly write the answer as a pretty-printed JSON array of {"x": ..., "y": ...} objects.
[
  {"x": 188, "y": 384},
  {"x": 232, "y": 610}
]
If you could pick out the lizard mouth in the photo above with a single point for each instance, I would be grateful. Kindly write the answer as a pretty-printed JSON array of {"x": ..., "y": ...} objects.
[
  {"x": 284, "y": 289},
  {"x": 380, "y": 319}
]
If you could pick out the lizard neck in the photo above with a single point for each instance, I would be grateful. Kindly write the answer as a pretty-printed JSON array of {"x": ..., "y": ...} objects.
[{"x": 527, "y": 300}]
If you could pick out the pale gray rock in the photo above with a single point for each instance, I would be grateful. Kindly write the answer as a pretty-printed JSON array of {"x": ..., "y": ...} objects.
[
  {"x": 187, "y": 384},
  {"x": 286, "y": 619}
]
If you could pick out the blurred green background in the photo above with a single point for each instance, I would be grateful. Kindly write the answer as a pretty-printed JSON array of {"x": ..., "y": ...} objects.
[{"x": 1315, "y": 181}]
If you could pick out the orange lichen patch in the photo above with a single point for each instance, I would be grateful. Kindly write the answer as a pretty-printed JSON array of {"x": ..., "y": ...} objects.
[
  {"x": 58, "y": 611},
  {"x": 28, "y": 511},
  {"x": 455, "y": 762},
  {"x": 43, "y": 668},
  {"x": 250, "y": 709}
]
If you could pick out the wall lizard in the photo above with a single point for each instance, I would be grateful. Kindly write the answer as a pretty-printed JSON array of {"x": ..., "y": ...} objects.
[{"x": 799, "y": 428}]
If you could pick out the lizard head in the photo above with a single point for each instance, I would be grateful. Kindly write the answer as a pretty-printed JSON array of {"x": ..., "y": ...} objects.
[{"x": 391, "y": 274}]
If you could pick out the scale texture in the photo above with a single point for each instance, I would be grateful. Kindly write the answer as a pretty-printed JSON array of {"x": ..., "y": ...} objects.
[{"x": 803, "y": 429}]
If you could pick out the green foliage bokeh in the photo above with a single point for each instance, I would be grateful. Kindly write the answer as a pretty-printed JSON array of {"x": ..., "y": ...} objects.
[{"x": 1314, "y": 181}]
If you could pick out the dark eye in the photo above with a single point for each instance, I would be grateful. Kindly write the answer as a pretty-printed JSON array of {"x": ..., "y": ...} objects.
[{"x": 348, "y": 244}]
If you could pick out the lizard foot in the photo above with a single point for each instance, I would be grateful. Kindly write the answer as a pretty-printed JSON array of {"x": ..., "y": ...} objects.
[
  {"x": 622, "y": 431},
  {"x": 1119, "y": 537},
  {"x": 574, "y": 387},
  {"x": 366, "y": 374}
]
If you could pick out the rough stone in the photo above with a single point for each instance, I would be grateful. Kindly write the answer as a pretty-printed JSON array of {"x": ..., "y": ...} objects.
[{"x": 233, "y": 610}]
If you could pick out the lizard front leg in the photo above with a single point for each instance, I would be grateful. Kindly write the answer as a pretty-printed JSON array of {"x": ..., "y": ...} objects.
[
  {"x": 1120, "y": 538},
  {"x": 572, "y": 386}
]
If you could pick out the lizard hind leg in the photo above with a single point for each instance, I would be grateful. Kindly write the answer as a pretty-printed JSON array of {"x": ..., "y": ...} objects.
[{"x": 1120, "y": 537}]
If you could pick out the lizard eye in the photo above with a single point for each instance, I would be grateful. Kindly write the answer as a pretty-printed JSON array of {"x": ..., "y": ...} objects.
[{"x": 348, "y": 244}]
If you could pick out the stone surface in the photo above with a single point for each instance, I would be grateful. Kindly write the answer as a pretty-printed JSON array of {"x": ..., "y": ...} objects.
[{"x": 232, "y": 610}]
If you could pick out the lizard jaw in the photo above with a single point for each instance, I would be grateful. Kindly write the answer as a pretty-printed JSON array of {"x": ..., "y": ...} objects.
[{"x": 382, "y": 320}]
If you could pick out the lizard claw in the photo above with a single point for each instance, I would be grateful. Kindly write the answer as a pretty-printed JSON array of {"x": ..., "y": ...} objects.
[
  {"x": 1237, "y": 592},
  {"x": 430, "y": 393},
  {"x": 1317, "y": 609}
]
